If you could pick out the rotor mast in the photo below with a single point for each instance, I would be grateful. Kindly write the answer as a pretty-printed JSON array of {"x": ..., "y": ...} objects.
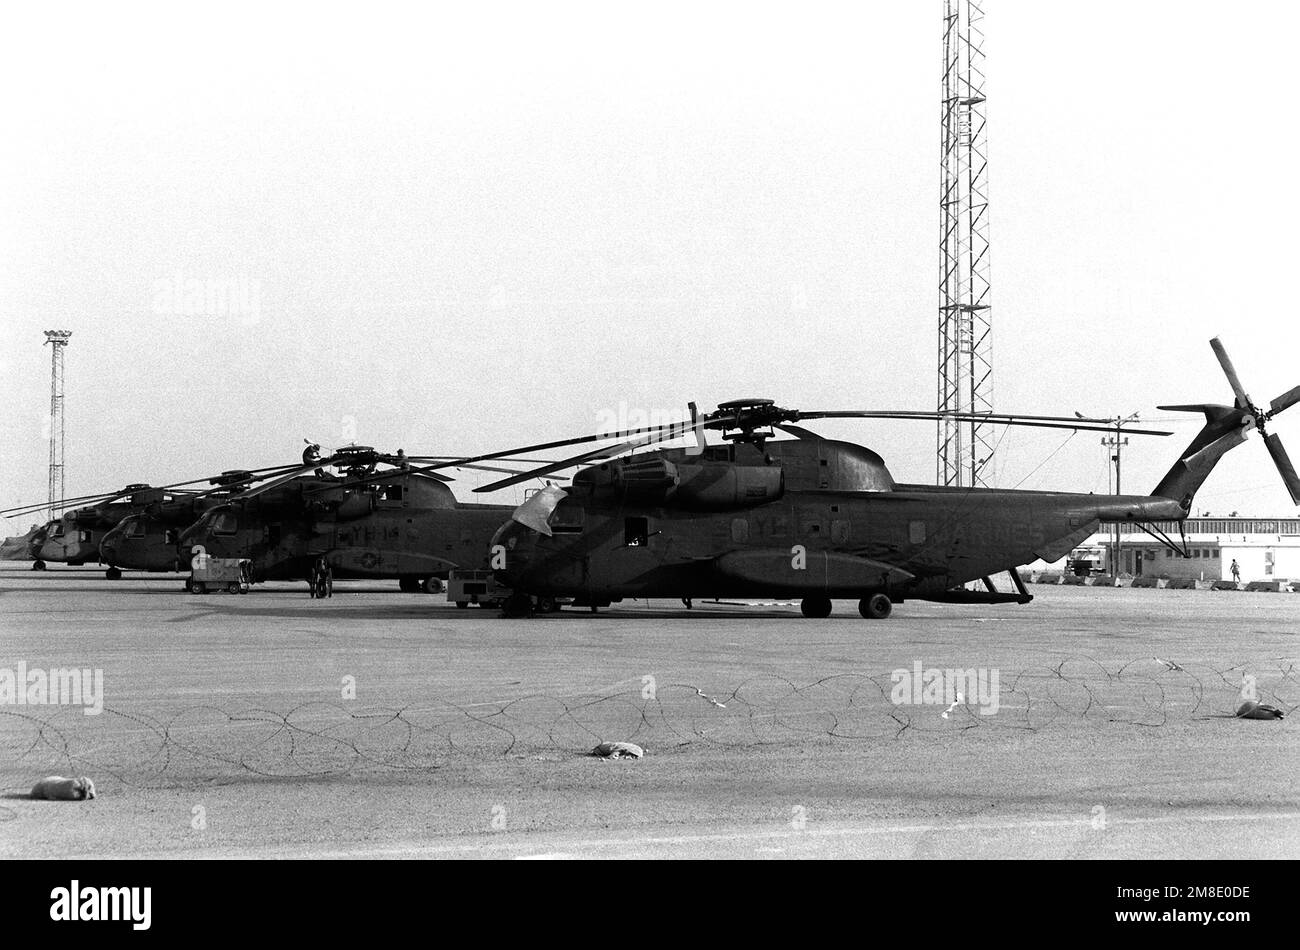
[
  {"x": 965, "y": 449},
  {"x": 57, "y": 339}
]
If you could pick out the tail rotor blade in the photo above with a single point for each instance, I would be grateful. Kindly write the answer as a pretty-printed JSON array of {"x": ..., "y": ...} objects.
[
  {"x": 1284, "y": 466},
  {"x": 1283, "y": 401},
  {"x": 1242, "y": 399}
]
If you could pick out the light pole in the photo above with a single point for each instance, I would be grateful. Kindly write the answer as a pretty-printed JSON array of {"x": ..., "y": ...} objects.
[{"x": 1117, "y": 443}]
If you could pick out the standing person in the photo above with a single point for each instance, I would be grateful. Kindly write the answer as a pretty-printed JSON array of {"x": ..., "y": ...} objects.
[{"x": 1236, "y": 571}]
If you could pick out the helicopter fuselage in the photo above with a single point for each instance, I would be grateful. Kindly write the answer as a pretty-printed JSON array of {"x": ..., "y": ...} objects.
[
  {"x": 807, "y": 518},
  {"x": 408, "y": 527}
]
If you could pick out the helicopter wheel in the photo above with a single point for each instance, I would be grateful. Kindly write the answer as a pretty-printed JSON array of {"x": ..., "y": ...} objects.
[
  {"x": 430, "y": 585},
  {"x": 816, "y": 607},
  {"x": 517, "y": 605},
  {"x": 546, "y": 605},
  {"x": 38, "y": 565},
  {"x": 875, "y": 607},
  {"x": 113, "y": 574}
]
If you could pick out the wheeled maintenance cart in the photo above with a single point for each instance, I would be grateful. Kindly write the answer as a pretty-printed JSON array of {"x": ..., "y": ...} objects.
[{"x": 231, "y": 574}]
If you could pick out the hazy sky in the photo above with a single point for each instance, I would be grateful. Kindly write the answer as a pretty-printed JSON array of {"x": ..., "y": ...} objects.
[{"x": 454, "y": 230}]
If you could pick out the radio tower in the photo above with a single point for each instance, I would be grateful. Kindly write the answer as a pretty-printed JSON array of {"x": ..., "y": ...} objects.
[
  {"x": 965, "y": 324},
  {"x": 57, "y": 339}
]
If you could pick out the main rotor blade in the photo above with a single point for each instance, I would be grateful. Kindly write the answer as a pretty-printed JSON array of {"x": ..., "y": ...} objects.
[
  {"x": 509, "y": 454},
  {"x": 456, "y": 458},
  {"x": 799, "y": 432},
  {"x": 1001, "y": 419},
  {"x": 90, "y": 501},
  {"x": 1289, "y": 398},
  {"x": 607, "y": 451},
  {"x": 1242, "y": 399},
  {"x": 283, "y": 479},
  {"x": 1284, "y": 466}
]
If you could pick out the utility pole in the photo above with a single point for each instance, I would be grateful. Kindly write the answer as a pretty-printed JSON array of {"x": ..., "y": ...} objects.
[
  {"x": 1117, "y": 442},
  {"x": 965, "y": 448},
  {"x": 57, "y": 339}
]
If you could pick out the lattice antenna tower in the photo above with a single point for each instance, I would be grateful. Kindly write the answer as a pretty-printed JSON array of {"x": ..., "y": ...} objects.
[
  {"x": 57, "y": 340},
  {"x": 965, "y": 320}
]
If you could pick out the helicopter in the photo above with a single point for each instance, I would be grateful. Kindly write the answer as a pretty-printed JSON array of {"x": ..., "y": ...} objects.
[
  {"x": 398, "y": 522},
  {"x": 148, "y": 539},
  {"x": 76, "y": 537},
  {"x": 815, "y": 518}
]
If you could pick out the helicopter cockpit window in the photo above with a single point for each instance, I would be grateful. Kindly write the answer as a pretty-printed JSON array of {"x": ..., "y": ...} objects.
[
  {"x": 58, "y": 530},
  {"x": 390, "y": 493},
  {"x": 170, "y": 536},
  {"x": 83, "y": 537},
  {"x": 135, "y": 528},
  {"x": 636, "y": 532},
  {"x": 224, "y": 523}
]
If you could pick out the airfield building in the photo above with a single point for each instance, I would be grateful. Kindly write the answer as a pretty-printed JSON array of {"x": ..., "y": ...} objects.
[{"x": 1265, "y": 549}]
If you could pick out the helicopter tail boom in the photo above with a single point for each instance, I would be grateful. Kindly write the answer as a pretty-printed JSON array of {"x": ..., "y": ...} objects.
[{"x": 1226, "y": 427}]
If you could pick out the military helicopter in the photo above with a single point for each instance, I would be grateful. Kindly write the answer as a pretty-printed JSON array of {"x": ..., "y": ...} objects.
[
  {"x": 76, "y": 537},
  {"x": 400, "y": 522},
  {"x": 148, "y": 539},
  {"x": 817, "y": 519}
]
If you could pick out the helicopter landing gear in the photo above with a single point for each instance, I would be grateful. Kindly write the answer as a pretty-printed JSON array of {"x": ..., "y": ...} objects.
[
  {"x": 38, "y": 565},
  {"x": 546, "y": 605},
  {"x": 816, "y": 607},
  {"x": 875, "y": 607},
  {"x": 518, "y": 605},
  {"x": 431, "y": 585},
  {"x": 113, "y": 574}
]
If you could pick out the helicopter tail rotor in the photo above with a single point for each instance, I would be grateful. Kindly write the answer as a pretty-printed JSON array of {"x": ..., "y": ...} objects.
[{"x": 1225, "y": 428}]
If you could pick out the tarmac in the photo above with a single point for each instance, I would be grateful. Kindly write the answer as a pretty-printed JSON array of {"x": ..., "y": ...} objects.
[{"x": 1096, "y": 723}]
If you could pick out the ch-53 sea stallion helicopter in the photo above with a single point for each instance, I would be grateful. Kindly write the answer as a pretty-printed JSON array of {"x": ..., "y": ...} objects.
[
  {"x": 817, "y": 519},
  {"x": 77, "y": 536},
  {"x": 399, "y": 522}
]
